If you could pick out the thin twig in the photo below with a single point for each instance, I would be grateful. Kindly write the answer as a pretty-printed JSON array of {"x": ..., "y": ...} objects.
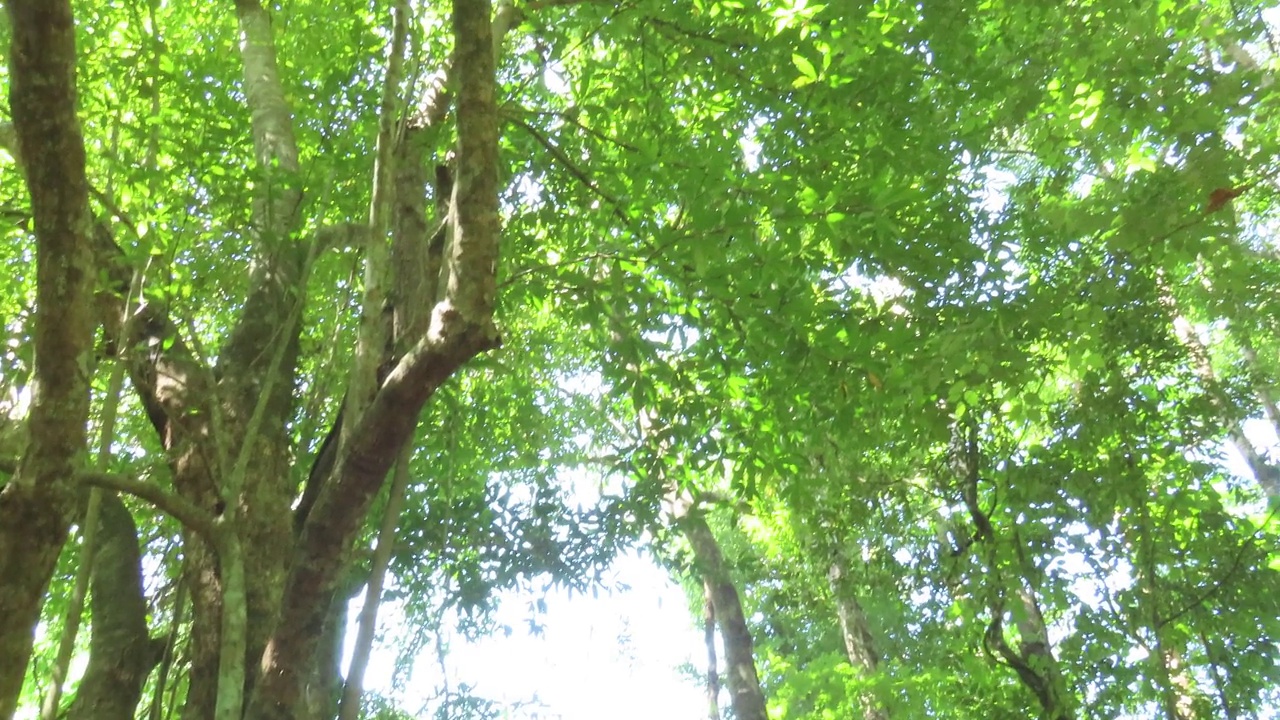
[{"x": 573, "y": 169}]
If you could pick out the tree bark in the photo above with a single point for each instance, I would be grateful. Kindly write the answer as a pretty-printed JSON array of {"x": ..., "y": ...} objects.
[
  {"x": 1261, "y": 387},
  {"x": 37, "y": 506},
  {"x": 1032, "y": 659},
  {"x": 121, "y": 652},
  {"x": 859, "y": 644},
  {"x": 461, "y": 327},
  {"x": 746, "y": 697},
  {"x": 713, "y": 665},
  {"x": 88, "y": 547},
  {"x": 1264, "y": 473},
  {"x": 381, "y": 561}
]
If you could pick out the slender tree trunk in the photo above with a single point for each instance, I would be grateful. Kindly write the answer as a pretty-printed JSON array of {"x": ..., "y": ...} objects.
[
  {"x": 709, "y": 638},
  {"x": 88, "y": 548},
  {"x": 38, "y": 505},
  {"x": 1261, "y": 387},
  {"x": 856, "y": 631},
  {"x": 75, "y": 605},
  {"x": 350, "y": 709},
  {"x": 160, "y": 706},
  {"x": 1032, "y": 657},
  {"x": 745, "y": 693},
  {"x": 1172, "y": 683},
  {"x": 1266, "y": 475},
  {"x": 1220, "y": 676},
  {"x": 322, "y": 696}
]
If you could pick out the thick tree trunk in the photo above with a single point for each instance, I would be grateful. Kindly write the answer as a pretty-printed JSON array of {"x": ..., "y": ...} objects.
[
  {"x": 121, "y": 651},
  {"x": 37, "y": 506},
  {"x": 744, "y": 684},
  {"x": 461, "y": 327}
]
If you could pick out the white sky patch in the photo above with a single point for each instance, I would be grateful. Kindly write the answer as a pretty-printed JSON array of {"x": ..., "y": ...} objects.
[
  {"x": 880, "y": 288},
  {"x": 529, "y": 190},
  {"x": 750, "y": 144},
  {"x": 995, "y": 189},
  {"x": 1262, "y": 436},
  {"x": 554, "y": 78},
  {"x": 618, "y": 651},
  {"x": 613, "y": 654}
]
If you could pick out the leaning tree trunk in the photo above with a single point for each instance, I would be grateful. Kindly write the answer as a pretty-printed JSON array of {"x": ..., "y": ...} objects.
[
  {"x": 1031, "y": 656},
  {"x": 1259, "y": 379},
  {"x": 1265, "y": 473},
  {"x": 37, "y": 506},
  {"x": 121, "y": 651},
  {"x": 461, "y": 326},
  {"x": 856, "y": 631},
  {"x": 745, "y": 694},
  {"x": 713, "y": 666}
]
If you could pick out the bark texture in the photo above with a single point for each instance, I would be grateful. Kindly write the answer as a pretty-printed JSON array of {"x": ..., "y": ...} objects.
[
  {"x": 461, "y": 327},
  {"x": 713, "y": 665},
  {"x": 1264, "y": 473},
  {"x": 745, "y": 695},
  {"x": 37, "y": 506},
  {"x": 1032, "y": 658},
  {"x": 121, "y": 651},
  {"x": 855, "y": 629}
]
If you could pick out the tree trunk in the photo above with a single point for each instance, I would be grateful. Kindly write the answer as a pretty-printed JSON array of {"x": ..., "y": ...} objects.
[
  {"x": 744, "y": 684},
  {"x": 1177, "y": 691},
  {"x": 1032, "y": 658},
  {"x": 1264, "y": 473},
  {"x": 461, "y": 327},
  {"x": 856, "y": 631},
  {"x": 37, "y": 506},
  {"x": 121, "y": 652},
  {"x": 1258, "y": 375},
  {"x": 225, "y": 432},
  {"x": 381, "y": 561},
  {"x": 322, "y": 696},
  {"x": 713, "y": 665}
]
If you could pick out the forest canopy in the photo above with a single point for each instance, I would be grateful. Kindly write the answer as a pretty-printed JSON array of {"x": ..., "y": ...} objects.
[{"x": 933, "y": 348}]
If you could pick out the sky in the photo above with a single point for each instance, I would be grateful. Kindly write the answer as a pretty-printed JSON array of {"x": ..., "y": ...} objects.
[{"x": 617, "y": 655}]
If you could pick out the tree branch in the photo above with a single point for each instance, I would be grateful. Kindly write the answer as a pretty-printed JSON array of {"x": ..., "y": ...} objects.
[
  {"x": 181, "y": 509},
  {"x": 579, "y": 174}
]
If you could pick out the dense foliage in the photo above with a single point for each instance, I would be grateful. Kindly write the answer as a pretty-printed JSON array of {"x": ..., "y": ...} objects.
[{"x": 935, "y": 342}]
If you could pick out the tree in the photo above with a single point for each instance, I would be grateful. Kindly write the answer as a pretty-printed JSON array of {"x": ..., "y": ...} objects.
[
  {"x": 934, "y": 320},
  {"x": 37, "y": 505}
]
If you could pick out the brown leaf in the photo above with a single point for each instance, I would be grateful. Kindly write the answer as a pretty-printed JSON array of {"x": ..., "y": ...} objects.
[{"x": 1219, "y": 198}]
